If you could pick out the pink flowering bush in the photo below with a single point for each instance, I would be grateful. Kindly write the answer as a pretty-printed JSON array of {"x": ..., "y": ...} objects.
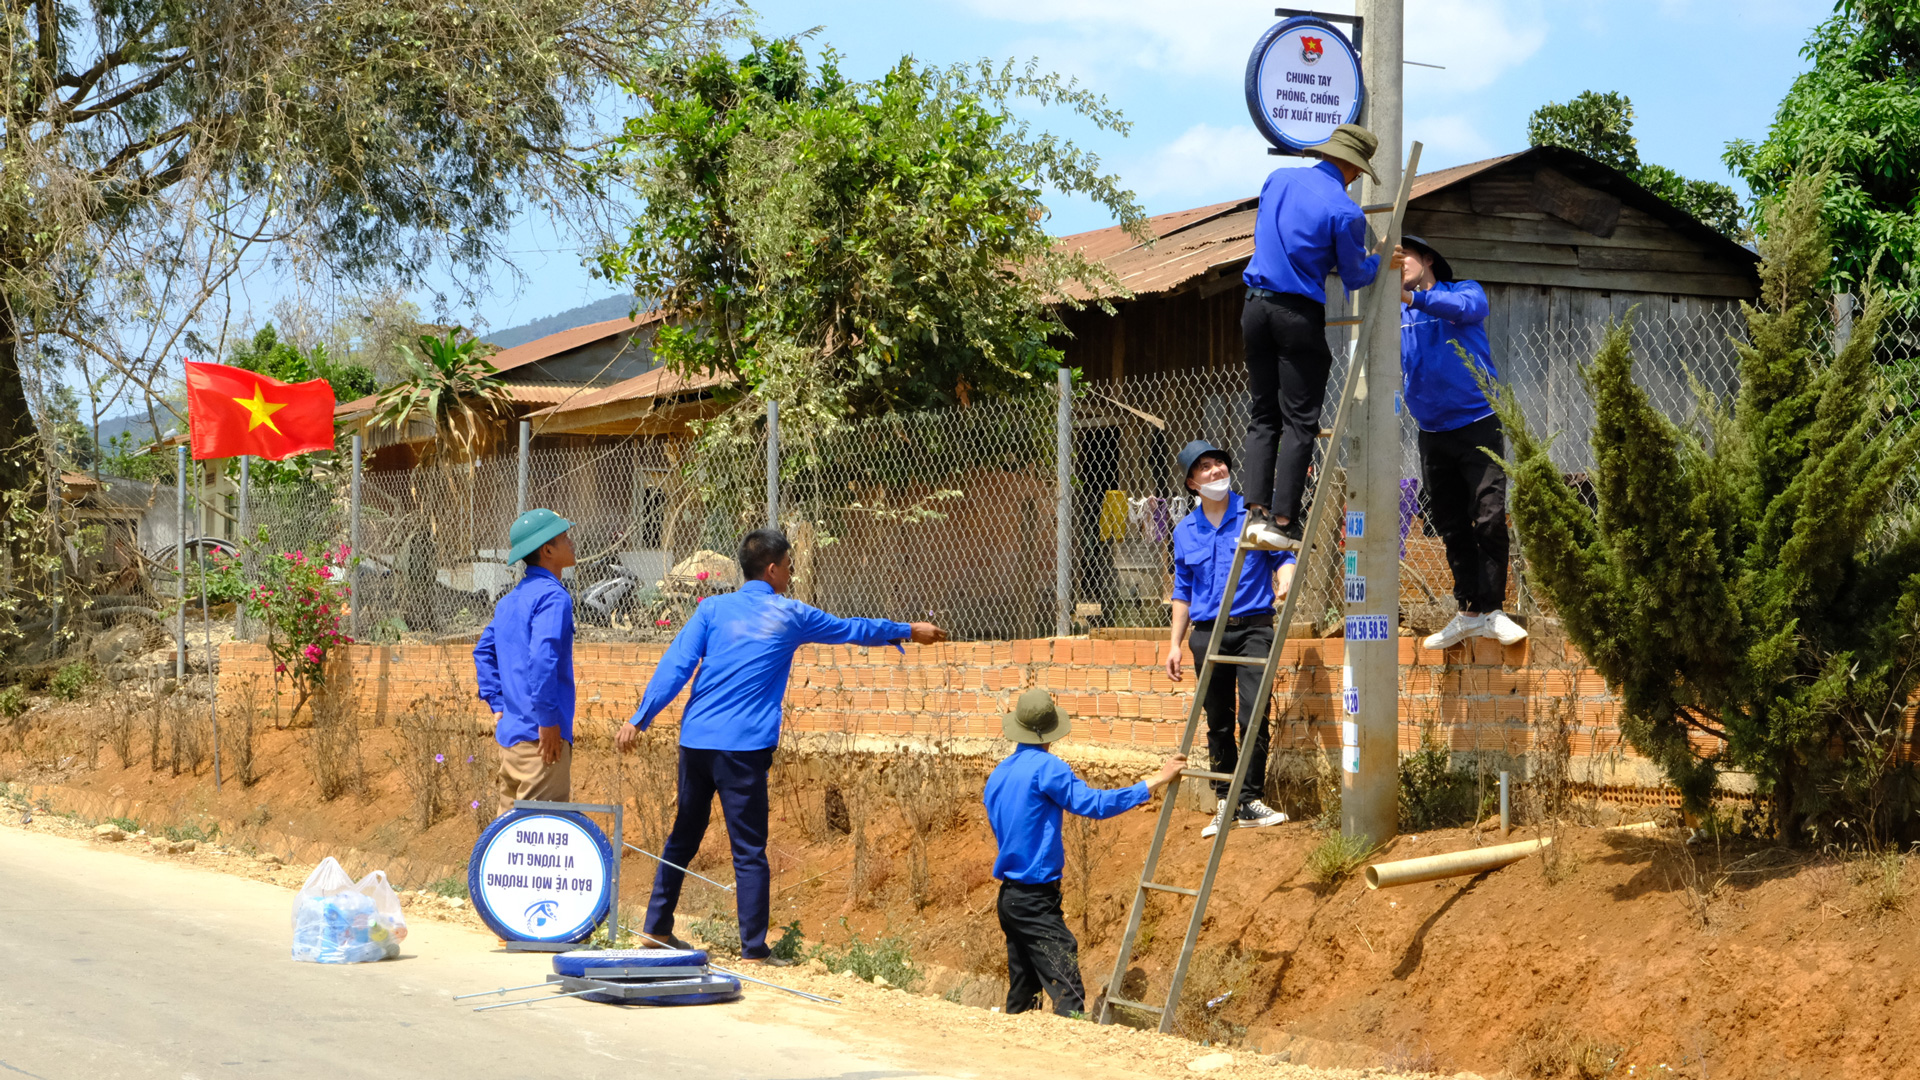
[{"x": 301, "y": 602}]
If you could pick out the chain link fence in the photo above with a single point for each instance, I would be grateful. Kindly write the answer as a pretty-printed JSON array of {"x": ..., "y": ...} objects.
[{"x": 954, "y": 516}]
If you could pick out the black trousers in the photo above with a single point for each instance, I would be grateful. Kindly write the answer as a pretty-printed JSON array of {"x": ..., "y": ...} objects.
[
  {"x": 1287, "y": 365},
  {"x": 739, "y": 777},
  {"x": 1467, "y": 506},
  {"x": 1041, "y": 951},
  {"x": 1231, "y": 682}
]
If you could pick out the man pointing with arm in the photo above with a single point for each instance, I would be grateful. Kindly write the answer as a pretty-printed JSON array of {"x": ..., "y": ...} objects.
[{"x": 741, "y": 644}]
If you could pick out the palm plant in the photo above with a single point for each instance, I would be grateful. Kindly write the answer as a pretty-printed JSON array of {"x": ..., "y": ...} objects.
[{"x": 450, "y": 385}]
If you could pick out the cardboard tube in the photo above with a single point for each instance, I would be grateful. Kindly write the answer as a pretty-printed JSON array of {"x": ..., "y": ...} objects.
[{"x": 1452, "y": 864}]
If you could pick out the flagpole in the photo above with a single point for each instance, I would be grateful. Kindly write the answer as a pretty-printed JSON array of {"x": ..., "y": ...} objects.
[{"x": 213, "y": 651}]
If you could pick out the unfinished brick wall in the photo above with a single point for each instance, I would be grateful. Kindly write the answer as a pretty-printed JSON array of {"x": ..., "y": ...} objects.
[{"x": 1476, "y": 696}]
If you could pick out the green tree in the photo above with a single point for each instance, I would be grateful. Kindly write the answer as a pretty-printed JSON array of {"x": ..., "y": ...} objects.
[
  {"x": 1748, "y": 577},
  {"x": 1601, "y": 127},
  {"x": 451, "y": 386},
  {"x": 73, "y": 446},
  {"x": 1856, "y": 111},
  {"x": 267, "y": 354},
  {"x": 154, "y": 151},
  {"x": 853, "y": 248}
]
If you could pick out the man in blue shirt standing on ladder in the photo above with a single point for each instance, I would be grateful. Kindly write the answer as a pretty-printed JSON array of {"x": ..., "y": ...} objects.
[
  {"x": 742, "y": 644},
  {"x": 1466, "y": 496},
  {"x": 1307, "y": 227},
  {"x": 1203, "y": 546}
]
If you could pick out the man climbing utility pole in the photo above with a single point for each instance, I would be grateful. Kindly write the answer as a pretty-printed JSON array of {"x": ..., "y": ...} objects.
[{"x": 1370, "y": 735}]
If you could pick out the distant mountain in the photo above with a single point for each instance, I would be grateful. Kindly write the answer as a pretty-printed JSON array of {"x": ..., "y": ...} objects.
[
  {"x": 613, "y": 307},
  {"x": 138, "y": 423}
]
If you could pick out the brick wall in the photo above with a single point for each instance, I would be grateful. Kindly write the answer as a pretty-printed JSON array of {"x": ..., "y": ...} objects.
[{"x": 1477, "y": 696}]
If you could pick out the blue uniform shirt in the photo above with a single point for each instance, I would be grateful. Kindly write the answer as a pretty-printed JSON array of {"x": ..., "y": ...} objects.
[
  {"x": 1307, "y": 225},
  {"x": 1024, "y": 798},
  {"x": 533, "y": 628},
  {"x": 1439, "y": 390},
  {"x": 1202, "y": 556},
  {"x": 743, "y": 642}
]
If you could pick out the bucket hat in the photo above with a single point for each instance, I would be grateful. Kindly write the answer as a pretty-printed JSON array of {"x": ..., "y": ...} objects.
[
  {"x": 1036, "y": 719},
  {"x": 533, "y": 528},
  {"x": 1191, "y": 454},
  {"x": 1442, "y": 269},
  {"x": 1352, "y": 144}
]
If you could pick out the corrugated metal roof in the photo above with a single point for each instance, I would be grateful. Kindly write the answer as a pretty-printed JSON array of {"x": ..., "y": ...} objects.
[
  {"x": 654, "y": 384},
  {"x": 567, "y": 340}
]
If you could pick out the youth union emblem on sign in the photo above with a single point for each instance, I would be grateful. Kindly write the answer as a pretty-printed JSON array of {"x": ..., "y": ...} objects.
[{"x": 1311, "y": 50}]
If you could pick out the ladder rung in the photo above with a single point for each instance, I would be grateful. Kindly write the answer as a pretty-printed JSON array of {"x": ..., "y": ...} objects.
[
  {"x": 1378, "y": 208},
  {"x": 1169, "y": 888},
  {"x": 1202, "y": 774},
  {"x": 1245, "y": 661},
  {"x": 1125, "y": 1004},
  {"x": 1355, "y": 321}
]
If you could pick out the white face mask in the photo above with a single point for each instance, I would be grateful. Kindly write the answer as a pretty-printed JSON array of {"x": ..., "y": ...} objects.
[{"x": 1215, "y": 490}]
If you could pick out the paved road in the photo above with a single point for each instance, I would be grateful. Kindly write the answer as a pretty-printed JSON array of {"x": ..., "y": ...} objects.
[{"x": 113, "y": 966}]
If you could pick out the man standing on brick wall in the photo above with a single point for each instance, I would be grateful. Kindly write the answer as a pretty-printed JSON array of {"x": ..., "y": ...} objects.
[
  {"x": 532, "y": 693},
  {"x": 1444, "y": 354},
  {"x": 1203, "y": 546},
  {"x": 742, "y": 644}
]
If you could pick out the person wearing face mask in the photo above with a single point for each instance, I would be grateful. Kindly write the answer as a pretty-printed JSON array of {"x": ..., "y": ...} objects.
[
  {"x": 1203, "y": 545},
  {"x": 1460, "y": 439}
]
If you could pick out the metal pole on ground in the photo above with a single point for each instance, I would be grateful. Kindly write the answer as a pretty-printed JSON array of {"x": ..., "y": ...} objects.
[
  {"x": 520, "y": 467},
  {"x": 353, "y": 542},
  {"x": 773, "y": 464},
  {"x": 1371, "y": 754},
  {"x": 240, "y": 605},
  {"x": 1063, "y": 509},
  {"x": 180, "y": 567}
]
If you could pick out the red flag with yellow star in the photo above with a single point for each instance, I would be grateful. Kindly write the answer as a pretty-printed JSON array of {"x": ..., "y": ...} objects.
[{"x": 233, "y": 411}]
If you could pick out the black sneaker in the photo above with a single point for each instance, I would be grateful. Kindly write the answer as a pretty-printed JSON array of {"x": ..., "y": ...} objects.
[
  {"x": 1254, "y": 814},
  {"x": 1262, "y": 534}
]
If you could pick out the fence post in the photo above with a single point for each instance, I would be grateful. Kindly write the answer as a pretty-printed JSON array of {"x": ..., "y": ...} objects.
[
  {"x": 353, "y": 544},
  {"x": 240, "y": 605},
  {"x": 59, "y": 553},
  {"x": 1063, "y": 508},
  {"x": 1843, "y": 308},
  {"x": 180, "y": 566},
  {"x": 520, "y": 467},
  {"x": 773, "y": 465}
]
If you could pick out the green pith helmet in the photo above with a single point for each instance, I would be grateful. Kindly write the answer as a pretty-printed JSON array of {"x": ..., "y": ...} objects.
[
  {"x": 533, "y": 528},
  {"x": 1036, "y": 718}
]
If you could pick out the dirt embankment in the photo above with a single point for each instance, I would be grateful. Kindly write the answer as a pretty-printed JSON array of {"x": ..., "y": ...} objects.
[{"x": 1624, "y": 954}]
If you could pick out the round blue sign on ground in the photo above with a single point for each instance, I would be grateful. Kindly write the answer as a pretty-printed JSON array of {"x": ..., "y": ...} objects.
[
  {"x": 541, "y": 875},
  {"x": 1303, "y": 80}
]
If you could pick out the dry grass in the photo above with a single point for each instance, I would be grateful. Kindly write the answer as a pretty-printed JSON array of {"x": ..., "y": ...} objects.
[
  {"x": 1881, "y": 877},
  {"x": 189, "y": 730},
  {"x": 425, "y": 758},
  {"x": 117, "y": 727},
  {"x": 333, "y": 743},
  {"x": 1550, "y": 1052},
  {"x": 1337, "y": 856},
  {"x": 237, "y": 734},
  {"x": 1215, "y": 976}
]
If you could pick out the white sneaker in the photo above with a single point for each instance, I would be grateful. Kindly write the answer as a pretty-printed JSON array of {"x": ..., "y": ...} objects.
[
  {"x": 1261, "y": 536},
  {"x": 1219, "y": 816},
  {"x": 1502, "y": 629},
  {"x": 1256, "y": 815},
  {"x": 1460, "y": 629}
]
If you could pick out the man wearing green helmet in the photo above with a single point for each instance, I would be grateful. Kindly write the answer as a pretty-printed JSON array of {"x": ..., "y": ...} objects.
[{"x": 532, "y": 692}]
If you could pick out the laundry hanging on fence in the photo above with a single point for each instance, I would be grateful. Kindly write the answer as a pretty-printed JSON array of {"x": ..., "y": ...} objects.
[{"x": 1113, "y": 516}]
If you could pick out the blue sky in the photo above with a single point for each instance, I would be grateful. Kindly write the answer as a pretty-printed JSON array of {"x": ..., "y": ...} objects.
[{"x": 1700, "y": 72}]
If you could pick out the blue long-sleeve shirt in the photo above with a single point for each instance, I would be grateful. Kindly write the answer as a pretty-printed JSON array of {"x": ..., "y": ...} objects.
[
  {"x": 1438, "y": 388},
  {"x": 1307, "y": 225},
  {"x": 532, "y": 628},
  {"x": 1024, "y": 797},
  {"x": 742, "y": 643},
  {"x": 1202, "y": 556}
]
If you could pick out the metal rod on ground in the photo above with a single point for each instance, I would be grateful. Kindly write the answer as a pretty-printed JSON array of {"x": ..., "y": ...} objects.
[
  {"x": 1505, "y": 820},
  {"x": 206, "y": 623},
  {"x": 502, "y": 990},
  {"x": 520, "y": 467},
  {"x": 1063, "y": 509},
  {"x": 240, "y": 605},
  {"x": 773, "y": 464},
  {"x": 180, "y": 567},
  {"x": 678, "y": 867},
  {"x": 353, "y": 542},
  {"x": 538, "y": 1000},
  {"x": 743, "y": 978}
]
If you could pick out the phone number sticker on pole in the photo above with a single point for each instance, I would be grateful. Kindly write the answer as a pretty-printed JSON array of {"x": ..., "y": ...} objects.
[
  {"x": 1369, "y": 628},
  {"x": 1356, "y": 524},
  {"x": 1356, "y": 588}
]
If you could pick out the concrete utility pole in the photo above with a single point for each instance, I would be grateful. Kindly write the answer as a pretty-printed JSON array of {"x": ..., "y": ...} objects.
[{"x": 1370, "y": 738}]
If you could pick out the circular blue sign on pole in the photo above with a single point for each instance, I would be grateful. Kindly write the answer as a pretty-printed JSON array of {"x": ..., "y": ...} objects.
[
  {"x": 1303, "y": 80},
  {"x": 541, "y": 875}
]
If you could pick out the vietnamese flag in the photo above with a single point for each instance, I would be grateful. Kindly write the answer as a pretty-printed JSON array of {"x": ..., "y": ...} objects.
[{"x": 233, "y": 411}]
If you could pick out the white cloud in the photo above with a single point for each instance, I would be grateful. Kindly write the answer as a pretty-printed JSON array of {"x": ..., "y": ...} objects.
[
  {"x": 1448, "y": 140},
  {"x": 1204, "y": 164},
  {"x": 1477, "y": 40}
]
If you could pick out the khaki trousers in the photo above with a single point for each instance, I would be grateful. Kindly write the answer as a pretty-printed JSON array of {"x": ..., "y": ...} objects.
[{"x": 523, "y": 775}]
